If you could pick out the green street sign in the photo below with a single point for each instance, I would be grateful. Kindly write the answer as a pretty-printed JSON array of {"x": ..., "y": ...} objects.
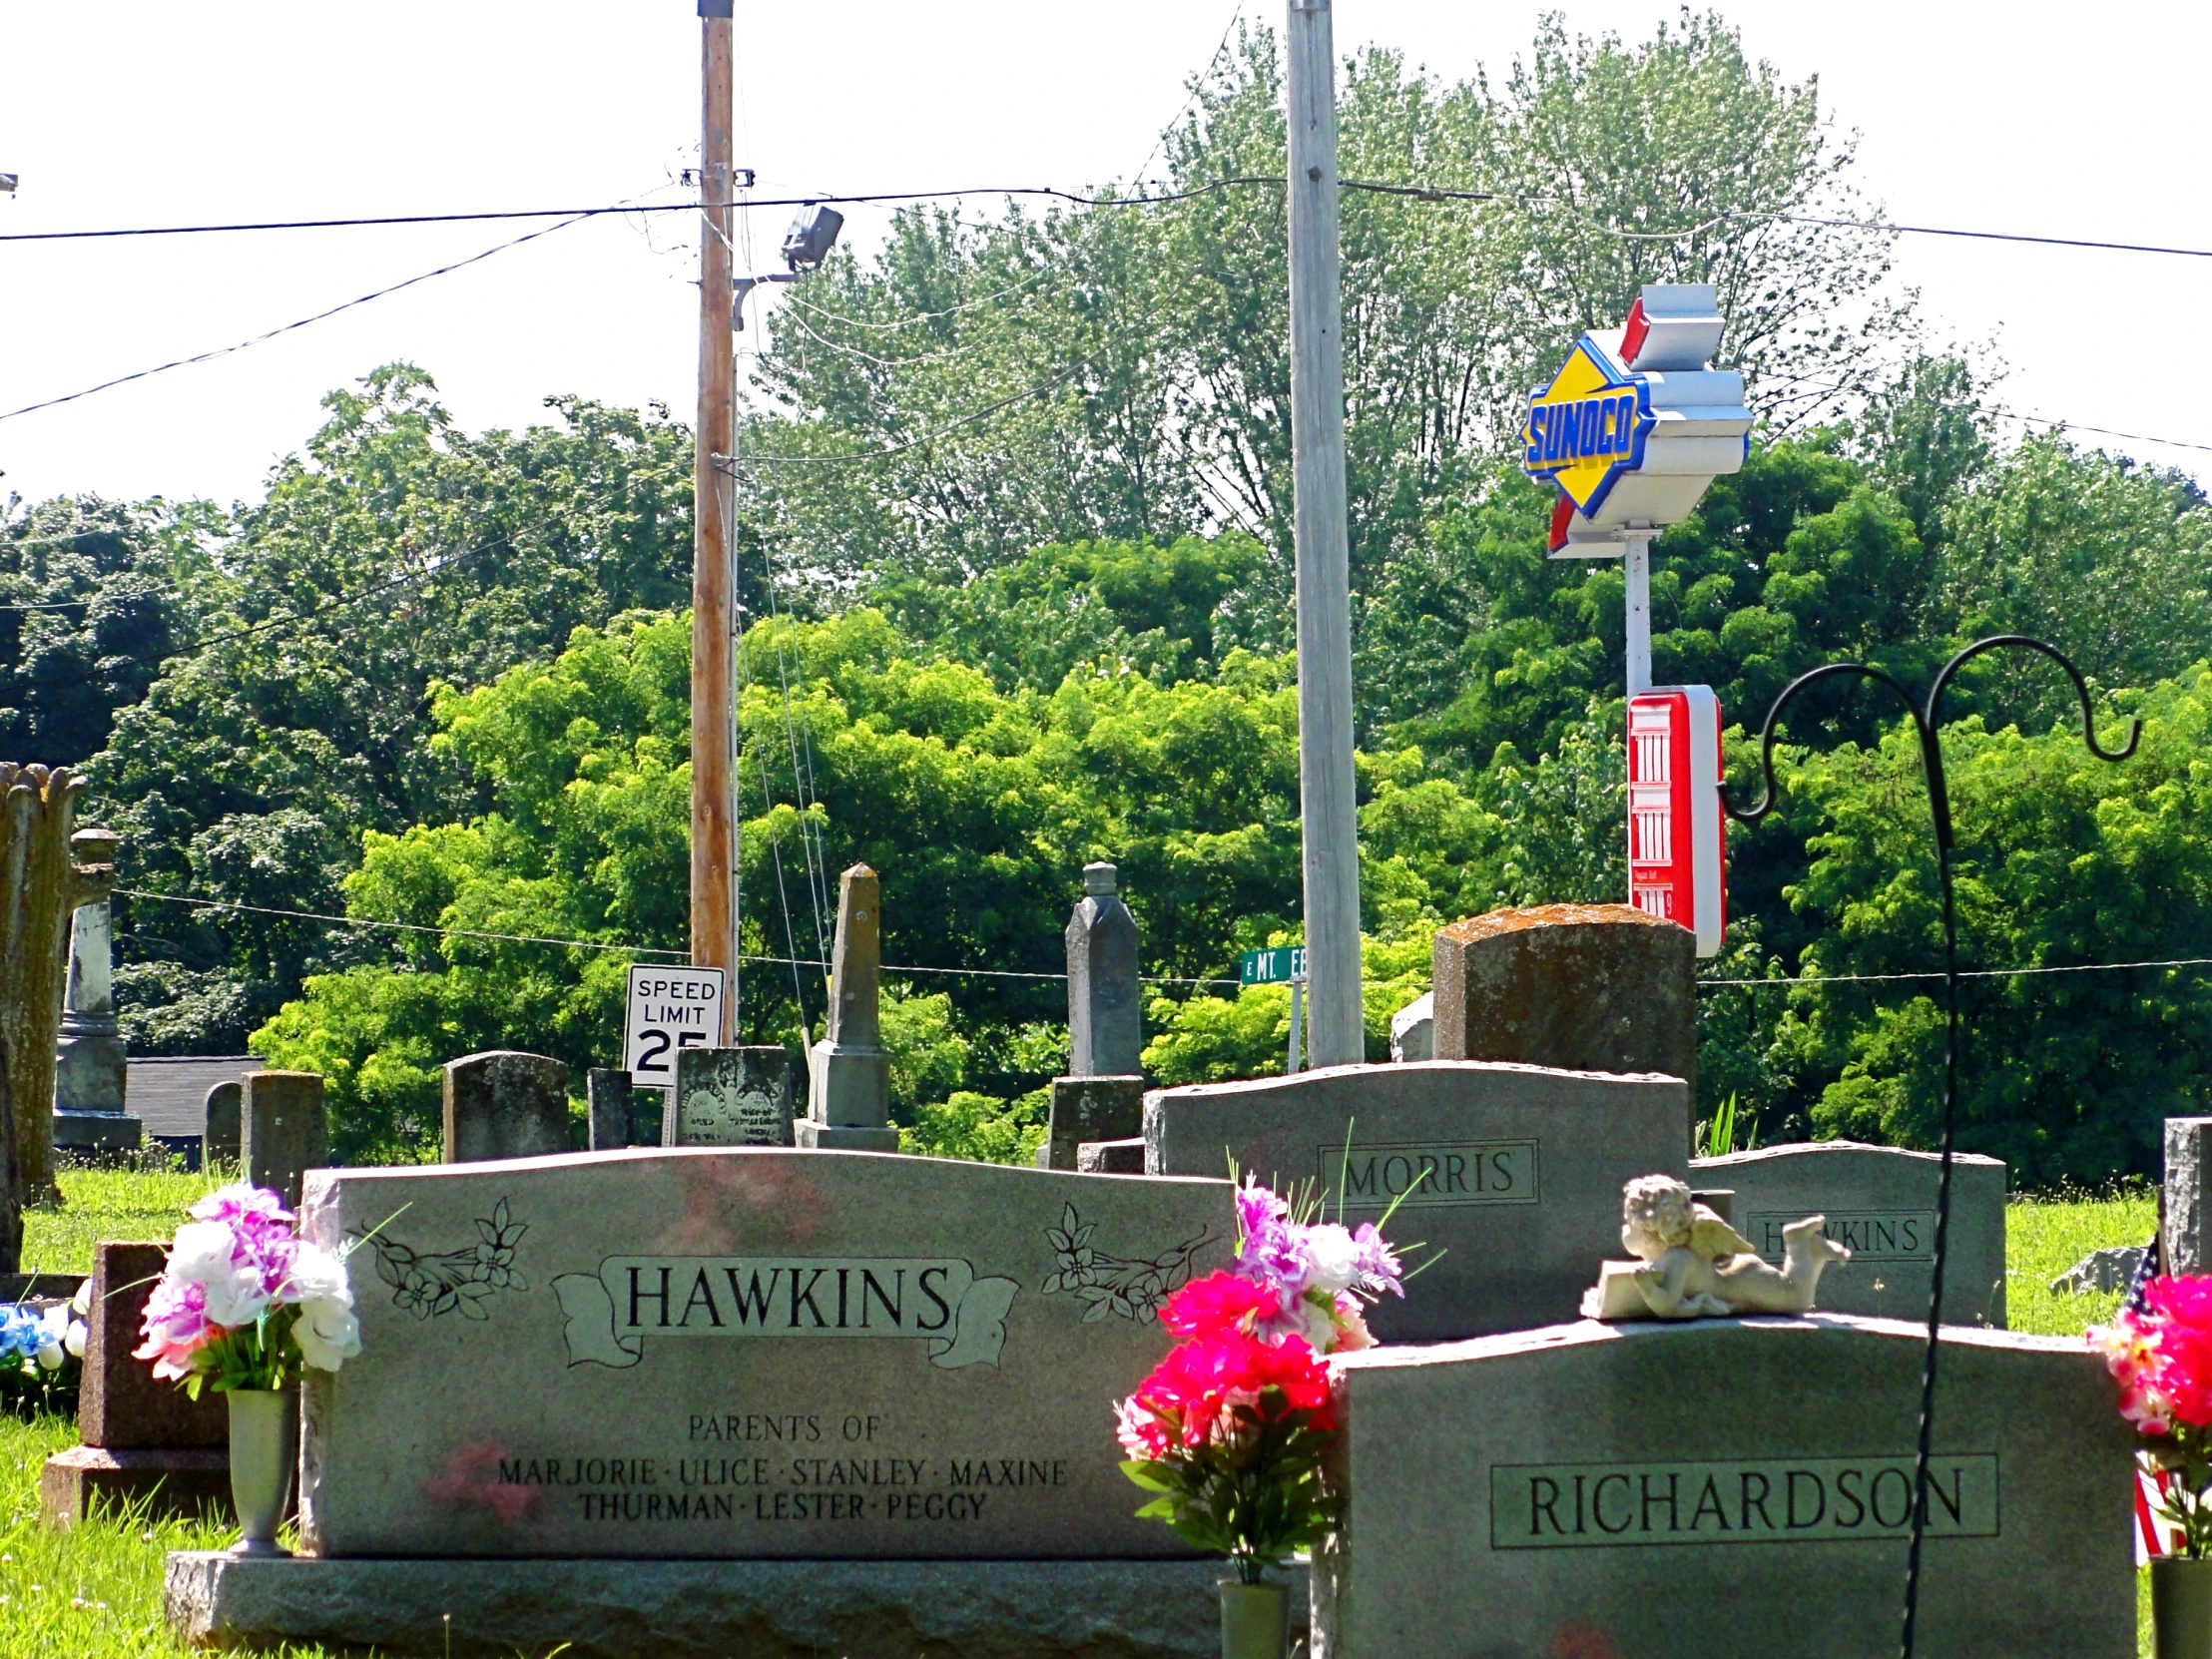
[{"x": 1274, "y": 968}]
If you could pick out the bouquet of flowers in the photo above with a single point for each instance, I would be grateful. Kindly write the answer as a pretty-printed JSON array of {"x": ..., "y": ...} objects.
[
  {"x": 1229, "y": 1429},
  {"x": 2159, "y": 1349},
  {"x": 244, "y": 1302},
  {"x": 42, "y": 1350}
]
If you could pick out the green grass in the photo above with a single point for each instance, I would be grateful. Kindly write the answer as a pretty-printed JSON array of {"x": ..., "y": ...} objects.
[{"x": 95, "y": 1592}]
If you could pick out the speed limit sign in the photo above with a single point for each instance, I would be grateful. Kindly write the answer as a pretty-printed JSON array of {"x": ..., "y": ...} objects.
[{"x": 669, "y": 1008}]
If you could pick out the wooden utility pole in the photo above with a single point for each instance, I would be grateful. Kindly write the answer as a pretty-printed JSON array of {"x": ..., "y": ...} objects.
[
  {"x": 1335, "y": 1029},
  {"x": 714, "y": 516}
]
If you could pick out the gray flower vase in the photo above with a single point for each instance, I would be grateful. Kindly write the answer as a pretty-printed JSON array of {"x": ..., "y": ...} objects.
[
  {"x": 265, "y": 1445},
  {"x": 1255, "y": 1620}
]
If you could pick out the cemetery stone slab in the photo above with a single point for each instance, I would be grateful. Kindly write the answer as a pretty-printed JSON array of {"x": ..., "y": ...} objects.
[
  {"x": 1879, "y": 1202},
  {"x": 1111, "y": 1157},
  {"x": 1090, "y": 1109},
  {"x": 1515, "y": 1172},
  {"x": 1105, "y": 1020},
  {"x": 1413, "y": 1029},
  {"x": 2187, "y": 1227},
  {"x": 505, "y": 1104},
  {"x": 743, "y": 1352},
  {"x": 1585, "y": 987},
  {"x": 2101, "y": 1271},
  {"x": 734, "y": 1096},
  {"x": 1737, "y": 1488},
  {"x": 158, "y": 1484},
  {"x": 607, "y": 1098},
  {"x": 120, "y": 1406},
  {"x": 218, "y": 1139},
  {"x": 283, "y": 1132}
]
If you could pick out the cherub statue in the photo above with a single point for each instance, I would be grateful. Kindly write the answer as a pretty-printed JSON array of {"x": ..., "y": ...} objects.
[{"x": 1690, "y": 1263}]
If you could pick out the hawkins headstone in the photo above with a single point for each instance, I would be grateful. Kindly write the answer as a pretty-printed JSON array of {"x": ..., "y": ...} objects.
[
  {"x": 742, "y": 1354},
  {"x": 1880, "y": 1201},
  {"x": 1513, "y": 1172},
  {"x": 505, "y": 1104},
  {"x": 734, "y": 1096},
  {"x": 1728, "y": 1487}
]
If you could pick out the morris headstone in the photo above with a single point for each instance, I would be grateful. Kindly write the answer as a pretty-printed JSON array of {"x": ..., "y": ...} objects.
[
  {"x": 1726, "y": 1487},
  {"x": 1586, "y": 987},
  {"x": 1513, "y": 1172},
  {"x": 742, "y": 1354},
  {"x": 1105, "y": 1009},
  {"x": 848, "y": 1072},
  {"x": 218, "y": 1136},
  {"x": 91, "y": 1065},
  {"x": 1090, "y": 1109},
  {"x": 1880, "y": 1201},
  {"x": 505, "y": 1104},
  {"x": 608, "y": 1100},
  {"x": 283, "y": 1131},
  {"x": 142, "y": 1440},
  {"x": 734, "y": 1096}
]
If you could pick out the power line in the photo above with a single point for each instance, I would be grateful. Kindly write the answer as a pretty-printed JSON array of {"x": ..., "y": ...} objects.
[{"x": 1963, "y": 973}]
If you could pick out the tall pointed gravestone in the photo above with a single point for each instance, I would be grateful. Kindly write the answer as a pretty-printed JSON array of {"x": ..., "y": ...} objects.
[
  {"x": 91, "y": 1067},
  {"x": 1102, "y": 1096},
  {"x": 848, "y": 1101}
]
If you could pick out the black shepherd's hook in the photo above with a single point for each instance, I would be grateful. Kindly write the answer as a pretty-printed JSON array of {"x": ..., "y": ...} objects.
[{"x": 1926, "y": 719}]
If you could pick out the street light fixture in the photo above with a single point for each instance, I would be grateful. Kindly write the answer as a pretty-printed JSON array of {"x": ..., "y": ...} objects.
[{"x": 805, "y": 245}]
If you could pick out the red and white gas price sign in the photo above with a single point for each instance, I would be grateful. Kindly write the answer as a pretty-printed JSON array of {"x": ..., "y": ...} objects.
[{"x": 1677, "y": 835}]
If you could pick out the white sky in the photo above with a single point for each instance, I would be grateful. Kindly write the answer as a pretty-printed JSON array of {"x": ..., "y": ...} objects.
[{"x": 2066, "y": 120}]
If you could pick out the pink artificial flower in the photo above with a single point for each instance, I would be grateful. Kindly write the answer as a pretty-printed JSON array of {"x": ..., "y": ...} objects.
[
  {"x": 1351, "y": 1328},
  {"x": 1219, "y": 1302},
  {"x": 175, "y": 1327},
  {"x": 242, "y": 1202}
]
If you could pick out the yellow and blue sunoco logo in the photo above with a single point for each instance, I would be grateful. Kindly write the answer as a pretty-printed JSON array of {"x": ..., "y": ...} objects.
[{"x": 1587, "y": 428}]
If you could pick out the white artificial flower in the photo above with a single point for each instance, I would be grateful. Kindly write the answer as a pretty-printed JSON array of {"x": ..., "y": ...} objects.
[
  {"x": 75, "y": 1340},
  {"x": 202, "y": 1251},
  {"x": 81, "y": 1303},
  {"x": 317, "y": 1275},
  {"x": 236, "y": 1295},
  {"x": 1334, "y": 1257},
  {"x": 328, "y": 1332},
  {"x": 53, "y": 1330}
]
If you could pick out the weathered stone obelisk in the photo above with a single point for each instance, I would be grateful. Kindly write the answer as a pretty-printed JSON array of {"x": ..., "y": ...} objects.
[
  {"x": 91, "y": 1067},
  {"x": 1102, "y": 1096},
  {"x": 848, "y": 1098}
]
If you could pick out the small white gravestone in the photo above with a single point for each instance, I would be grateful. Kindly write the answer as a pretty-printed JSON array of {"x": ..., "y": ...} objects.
[
  {"x": 1413, "y": 1029},
  {"x": 1513, "y": 1172},
  {"x": 1727, "y": 1487},
  {"x": 742, "y": 1354},
  {"x": 1880, "y": 1204}
]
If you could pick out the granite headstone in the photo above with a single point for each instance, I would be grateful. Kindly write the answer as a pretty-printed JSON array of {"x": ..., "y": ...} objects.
[
  {"x": 1090, "y": 1109},
  {"x": 607, "y": 1103},
  {"x": 1105, "y": 1007},
  {"x": 1513, "y": 1172},
  {"x": 2186, "y": 1231},
  {"x": 282, "y": 1129},
  {"x": 742, "y": 1352},
  {"x": 848, "y": 1071},
  {"x": 218, "y": 1135},
  {"x": 1879, "y": 1202},
  {"x": 1726, "y": 1487},
  {"x": 734, "y": 1096},
  {"x": 1413, "y": 1029},
  {"x": 505, "y": 1104},
  {"x": 91, "y": 1065}
]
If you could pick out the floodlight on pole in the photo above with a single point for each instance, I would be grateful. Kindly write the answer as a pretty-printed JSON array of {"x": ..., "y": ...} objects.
[
  {"x": 7, "y": 184},
  {"x": 812, "y": 233}
]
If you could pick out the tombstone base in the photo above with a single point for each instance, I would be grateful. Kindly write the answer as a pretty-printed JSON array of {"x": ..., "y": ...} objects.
[
  {"x": 810, "y": 1136},
  {"x": 705, "y": 1609},
  {"x": 167, "y": 1482},
  {"x": 97, "y": 1132}
]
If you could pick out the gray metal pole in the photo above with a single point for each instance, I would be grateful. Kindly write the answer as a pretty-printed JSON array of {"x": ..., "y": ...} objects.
[
  {"x": 1637, "y": 569},
  {"x": 1335, "y": 1034}
]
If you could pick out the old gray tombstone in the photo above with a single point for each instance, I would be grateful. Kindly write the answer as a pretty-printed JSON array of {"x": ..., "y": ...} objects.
[
  {"x": 1124, "y": 1157},
  {"x": 2186, "y": 1231},
  {"x": 91, "y": 1066},
  {"x": 1880, "y": 1201},
  {"x": 218, "y": 1136},
  {"x": 734, "y": 1096},
  {"x": 1515, "y": 1172},
  {"x": 2100, "y": 1273},
  {"x": 1413, "y": 1029},
  {"x": 743, "y": 1352},
  {"x": 1732, "y": 1487},
  {"x": 1105, "y": 1004},
  {"x": 849, "y": 1082},
  {"x": 1090, "y": 1109},
  {"x": 283, "y": 1132},
  {"x": 502, "y": 1103},
  {"x": 608, "y": 1100},
  {"x": 1587, "y": 987}
]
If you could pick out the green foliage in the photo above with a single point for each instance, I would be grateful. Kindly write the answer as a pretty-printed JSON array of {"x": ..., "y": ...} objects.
[
  {"x": 976, "y": 1127},
  {"x": 1256, "y": 1497}
]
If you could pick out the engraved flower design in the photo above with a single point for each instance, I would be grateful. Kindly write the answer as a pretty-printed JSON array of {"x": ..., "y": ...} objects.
[
  {"x": 430, "y": 1284},
  {"x": 1112, "y": 1286}
]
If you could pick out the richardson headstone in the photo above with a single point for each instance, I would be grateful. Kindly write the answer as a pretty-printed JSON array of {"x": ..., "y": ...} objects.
[
  {"x": 142, "y": 1440},
  {"x": 1090, "y": 1109},
  {"x": 283, "y": 1131},
  {"x": 505, "y": 1104},
  {"x": 734, "y": 1096},
  {"x": 1413, "y": 1029},
  {"x": 607, "y": 1098},
  {"x": 1513, "y": 1172},
  {"x": 1586, "y": 987},
  {"x": 1880, "y": 1201},
  {"x": 849, "y": 1093},
  {"x": 91, "y": 1067},
  {"x": 219, "y": 1138},
  {"x": 1732, "y": 1487},
  {"x": 2187, "y": 1229},
  {"x": 743, "y": 1352},
  {"x": 1105, "y": 1012}
]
